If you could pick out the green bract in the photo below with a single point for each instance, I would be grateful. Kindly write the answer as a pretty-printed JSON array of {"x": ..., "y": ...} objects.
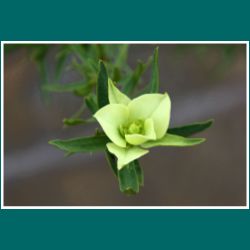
[{"x": 135, "y": 125}]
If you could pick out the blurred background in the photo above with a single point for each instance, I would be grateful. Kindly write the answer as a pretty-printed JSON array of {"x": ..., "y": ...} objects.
[{"x": 203, "y": 81}]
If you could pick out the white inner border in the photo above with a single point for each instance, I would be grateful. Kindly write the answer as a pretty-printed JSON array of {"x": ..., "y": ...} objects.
[{"x": 124, "y": 207}]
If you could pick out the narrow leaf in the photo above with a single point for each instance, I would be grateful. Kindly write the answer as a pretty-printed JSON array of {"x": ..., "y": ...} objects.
[
  {"x": 139, "y": 172},
  {"x": 38, "y": 55},
  {"x": 121, "y": 57},
  {"x": 61, "y": 58},
  {"x": 93, "y": 107},
  {"x": 173, "y": 140},
  {"x": 91, "y": 103},
  {"x": 76, "y": 121},
  {"x": 102, "y": 86},
  {"x": 133, "y": 81},
  {"x": 111, "y": 161},
  {"x": 154, "y": 82},
  {"x": 82, "y": 144},
  {"x": 128, "y": 180},
  {"x": 190, "y": 129},
  {"x": 70, "y": 87}
]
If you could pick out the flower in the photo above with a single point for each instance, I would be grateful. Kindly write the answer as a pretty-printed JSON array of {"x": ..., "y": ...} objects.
[{"x": 135, "y": 125}]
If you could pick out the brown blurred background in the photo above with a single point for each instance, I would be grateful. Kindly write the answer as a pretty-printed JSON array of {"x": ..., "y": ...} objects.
[{"x": 204, "y": 81}]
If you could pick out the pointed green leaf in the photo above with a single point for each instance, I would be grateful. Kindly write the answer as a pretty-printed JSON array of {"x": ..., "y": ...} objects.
[
  {"x": 70, "y": 87},
  {"x": 128, "y": 179},
  {"x": 121, "y": 57},
  {"x": 135, "y": 77},
  {"x": 115, "y": 95},
  {"x": 76, "y": 121},
  {"x": 111, "y": 161},
  {"x": 154, "y": 82},
  {"x": 38, "y": 55},
  {"x": 82, "y": 144},
  {"x": 111, "y": 117},
  {"x": 73, "y": 121},
  {"x": 102, "y": 86},
  {"x": 173, "y": 140},
  {"x": 91, "y": 103},
  {"x": 190, "y": 129},
  {"x": 139, "y": 172},
  {"x": 125, "y": 155},
  {"x": 61, "y": 58}
]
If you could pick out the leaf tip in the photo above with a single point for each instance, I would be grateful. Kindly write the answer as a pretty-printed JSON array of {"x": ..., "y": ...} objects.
[
  {"x": 101, "y": 63},
  {"x": 156, "y": 53},
  {"x": 200, "y": 140},
  {"x": 210, "y": 121},
  {"x": 52, "y": 142}
]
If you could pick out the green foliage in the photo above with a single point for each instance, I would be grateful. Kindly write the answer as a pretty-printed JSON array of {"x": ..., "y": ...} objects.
[
  {"x": 91, "y": 103},
  {"x": 102, "y": 86},
  {"x": 61, "y": 59},
  {"x": 129, "y": 181},
  {"x": 121, "y": 58},
  {"x": 134, "y": 79},
  {"x": 76, "y": 121},
  {"x": 139, "y": 172},
  {"x": 131, "y": 178},
  {"x": 154, "y": 82},
  {"x": 82, "y": 144},
  {"x": 101, "y": 70},
  {"x": 78, "y": 88},
  {"x": 174, "y": 140},
  {"x": 191, "y": 129},
  {"x": 111, "y": 159}
]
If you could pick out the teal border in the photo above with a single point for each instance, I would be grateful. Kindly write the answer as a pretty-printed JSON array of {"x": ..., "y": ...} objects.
[{"x": 125, "y": 21}]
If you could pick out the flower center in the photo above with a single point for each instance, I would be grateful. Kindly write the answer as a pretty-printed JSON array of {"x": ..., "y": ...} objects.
[{"x": 136, "y": 127}]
